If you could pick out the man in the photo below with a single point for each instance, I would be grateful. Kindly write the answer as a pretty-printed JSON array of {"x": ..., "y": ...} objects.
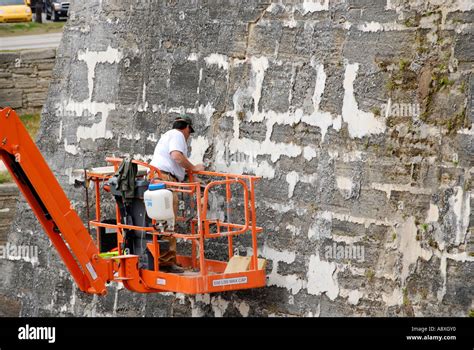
[
  {"x": 171, "y": 157},
  {"x": 171, "y": 152}
]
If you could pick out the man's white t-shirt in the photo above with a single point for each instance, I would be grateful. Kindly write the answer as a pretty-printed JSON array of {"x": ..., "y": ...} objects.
[{"x": 172, "y": 140}]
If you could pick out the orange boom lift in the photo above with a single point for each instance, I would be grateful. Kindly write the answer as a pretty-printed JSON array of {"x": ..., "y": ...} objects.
[{"x": 91, "y": 268}]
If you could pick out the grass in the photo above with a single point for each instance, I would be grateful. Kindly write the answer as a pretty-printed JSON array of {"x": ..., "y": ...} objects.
[
  {"x": 376, "y": 111},
  {"x": 404, "y": 64},
  {"x": 406, "y": 300},
  {"x": 28, "y": 28},
  {"x": 370, "y": 274},
  {"x": 403, "y": 78},
  {"x": 32, "y": 123},
  {"x": 5, "y": 177}
]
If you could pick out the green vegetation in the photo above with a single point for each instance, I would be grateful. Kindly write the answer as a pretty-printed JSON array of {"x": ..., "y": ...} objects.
[
  {"x": 313, "y": 208},
  {"x": 421, "y": 42},
  {"x": 413, "y": 21},
  {"x": 241, "y": 115},
  {"x": 376, "y": 111},
  {"x": 439, "y": 78},
  {"x": 32, "y": 123},
  {"x": 28, "y": 28},
  {"x": 440, "y": 82},
  {"x": 424, "y": 293},
  {"x": 457, "y": 122},
  {"x": 432, "y": 243},
  {"x": 403, "y": 64},
  {"x": 410, "y": 22},
  {"x": 471, "y": 313},
  {"x": 5, "y": 177},
  {"x": 390, "y": 151},
  {"x": 402, "y": 78},
  {"x": 444, "y": 82},
  {"x": 406, "y": 301},
  {"x": 370, "y": 274}
]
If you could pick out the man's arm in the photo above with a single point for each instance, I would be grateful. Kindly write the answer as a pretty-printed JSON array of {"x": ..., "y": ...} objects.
[{"x": 179, "y": 158}]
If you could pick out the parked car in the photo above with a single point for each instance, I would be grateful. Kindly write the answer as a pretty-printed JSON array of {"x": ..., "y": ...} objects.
[
  {"x": 56, "y": 10},
  {"x": 14, "y": 11}
]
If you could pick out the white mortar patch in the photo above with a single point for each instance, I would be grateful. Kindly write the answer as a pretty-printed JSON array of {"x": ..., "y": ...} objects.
[
  {"x": 321, "y": 278},
  {"x": 321, "y": 227},
  {"x": 460, "y": 204},
  {"x": 219, "y": 306},
  {"x": 293, "y": 178},
  {"x": 295, "y": 231},
  {"x": 91, "y": 58},
  {"x": 433, "y": 213},
  {"x": 199, "y": 146},
  {"x": 309, "y": 6},
  {"x": 97, "y": 130},
  {"x": 243, "y": 308},
  {"x": 388, "y": 188},
  {"x": 217, "y": 59},
  {"x": 291, "y": 282},
  {"x": 396, "y": 298},
  {"x": 259, "y": 66},
  {"x": 344, "y": 183},
  {"x": 359, "y": 123},
  {"x": 207, "y": 111},
  {"x": 410, "y": 247},
  {"x": 309, "y": 153},
  {"x": 71, "y": 149},
  {"x": 262, "y": 168},
  {"x": 193, "y": 56},
  {"x": 354, "y": 297}
]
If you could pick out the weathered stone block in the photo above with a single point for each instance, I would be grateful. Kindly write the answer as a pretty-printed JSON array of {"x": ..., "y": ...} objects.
[
  {"x": 11, "y": 98},
  {"x": 36, "y": 55},
  {"x": 24, "y": 83},
  {"x": 10, "y": 307}
]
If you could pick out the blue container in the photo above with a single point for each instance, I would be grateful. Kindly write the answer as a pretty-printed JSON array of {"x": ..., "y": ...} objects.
[{"x": 153, "y": 187}]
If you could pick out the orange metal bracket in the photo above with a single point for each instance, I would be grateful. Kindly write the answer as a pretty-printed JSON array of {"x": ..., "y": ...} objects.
[
  {"x": 51, "y": 206},
  {"x": 81, "y": 254}
]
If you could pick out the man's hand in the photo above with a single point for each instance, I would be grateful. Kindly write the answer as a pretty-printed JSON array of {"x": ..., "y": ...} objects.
[
  {"x": 179, "y": 158},
  {"x": 198, "y": 167}
]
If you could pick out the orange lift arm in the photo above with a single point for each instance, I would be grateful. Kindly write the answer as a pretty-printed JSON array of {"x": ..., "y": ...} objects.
[{"x": 51, "y": 206}]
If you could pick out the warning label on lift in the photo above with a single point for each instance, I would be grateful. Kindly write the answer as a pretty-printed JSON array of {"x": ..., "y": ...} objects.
[{"x": 229, "y": 281}]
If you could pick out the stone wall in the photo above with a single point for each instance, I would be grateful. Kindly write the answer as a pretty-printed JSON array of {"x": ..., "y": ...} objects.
[
  {"x": 355, "y": 113},
  {"x": 8, "y": 202},
  {"x": 10, "y": 306},
  {"x": 24, "y": 79}
]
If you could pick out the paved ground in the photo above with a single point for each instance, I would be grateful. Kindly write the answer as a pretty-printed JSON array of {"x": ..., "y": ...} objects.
[{"x": 30, "y": 41}]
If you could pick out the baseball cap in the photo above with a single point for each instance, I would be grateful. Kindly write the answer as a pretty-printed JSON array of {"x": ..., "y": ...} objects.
[{"x": 187, "y": 120}]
